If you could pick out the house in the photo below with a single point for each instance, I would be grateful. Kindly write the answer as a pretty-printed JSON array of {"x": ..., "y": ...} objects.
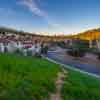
[{"x": 11, "y": 43}]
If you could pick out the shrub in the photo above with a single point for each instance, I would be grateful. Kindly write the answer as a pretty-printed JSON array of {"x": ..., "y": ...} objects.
[
  {"x": 78, "y": 49},
  {"x": 98, "y": 55},
  {"x": 76, "y": 52}
]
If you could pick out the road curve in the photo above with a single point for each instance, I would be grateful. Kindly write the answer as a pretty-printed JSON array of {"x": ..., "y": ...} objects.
[{"x": 61, "y": 57}]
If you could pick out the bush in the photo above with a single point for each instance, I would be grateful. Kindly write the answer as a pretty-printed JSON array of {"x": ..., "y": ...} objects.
[
  {"x": 17, "y": 51},
  {"x": 29, "y": 53},
  {"x": 76, "y": 52},
  {"x": 61, "y": 44},
  {"x": 98, "y": 55},
  {"x": 44, "y": 50},
  {"x": 78, "y": 49}
]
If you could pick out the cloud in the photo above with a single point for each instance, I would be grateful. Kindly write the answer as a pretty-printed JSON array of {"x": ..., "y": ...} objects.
[{"x": 33, "y": 7}]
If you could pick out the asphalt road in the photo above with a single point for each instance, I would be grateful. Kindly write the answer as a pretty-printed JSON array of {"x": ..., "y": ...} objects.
[{"x": 85, "y": 65}]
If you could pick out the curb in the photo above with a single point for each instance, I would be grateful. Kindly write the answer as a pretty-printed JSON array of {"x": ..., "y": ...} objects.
[{"x": 71, "y": 68}]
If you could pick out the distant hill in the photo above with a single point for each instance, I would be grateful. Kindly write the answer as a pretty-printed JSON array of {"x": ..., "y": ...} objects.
[
  {"x": 89, "y": 35},
  {"x": 20, "y": 32},
  {"x": 10, "y": 30}
]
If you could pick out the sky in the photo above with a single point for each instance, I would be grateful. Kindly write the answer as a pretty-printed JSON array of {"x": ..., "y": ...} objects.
[{"x": 50, "y": 16}]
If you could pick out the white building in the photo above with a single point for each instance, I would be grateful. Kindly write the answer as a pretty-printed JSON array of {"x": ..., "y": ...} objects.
[{"x": 11, "y": 43}]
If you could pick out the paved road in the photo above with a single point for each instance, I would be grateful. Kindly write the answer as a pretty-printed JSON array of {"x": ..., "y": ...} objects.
[{"x": 62, "y": 57}]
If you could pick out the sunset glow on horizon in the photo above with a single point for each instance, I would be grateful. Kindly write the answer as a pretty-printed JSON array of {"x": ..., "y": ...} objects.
[{"x": 50, "y": 17}]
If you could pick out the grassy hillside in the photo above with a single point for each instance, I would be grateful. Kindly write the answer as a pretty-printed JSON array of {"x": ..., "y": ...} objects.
[
  {"x": 78, "y": 86},
  {"x": 26, "y": 78}
]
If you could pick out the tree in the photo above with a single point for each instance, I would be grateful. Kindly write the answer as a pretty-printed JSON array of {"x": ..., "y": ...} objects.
[{"x": 78, "y": 48}]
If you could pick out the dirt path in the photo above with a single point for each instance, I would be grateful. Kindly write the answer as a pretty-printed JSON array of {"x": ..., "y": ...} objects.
[{"x": 59, "y": 83}]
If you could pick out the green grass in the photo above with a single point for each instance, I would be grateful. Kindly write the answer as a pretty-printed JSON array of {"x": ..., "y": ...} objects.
[
  {"x": 78, "y": 86},
  {"x": 26, "y": 78},
  {"x": 31, "y": 78}
]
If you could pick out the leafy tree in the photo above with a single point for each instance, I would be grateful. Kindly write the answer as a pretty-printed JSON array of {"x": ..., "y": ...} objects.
[{"x": 78, "y": 48}]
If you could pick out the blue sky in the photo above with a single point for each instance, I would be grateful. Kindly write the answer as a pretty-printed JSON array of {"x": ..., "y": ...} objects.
[{"x": 50, "y": 16}]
